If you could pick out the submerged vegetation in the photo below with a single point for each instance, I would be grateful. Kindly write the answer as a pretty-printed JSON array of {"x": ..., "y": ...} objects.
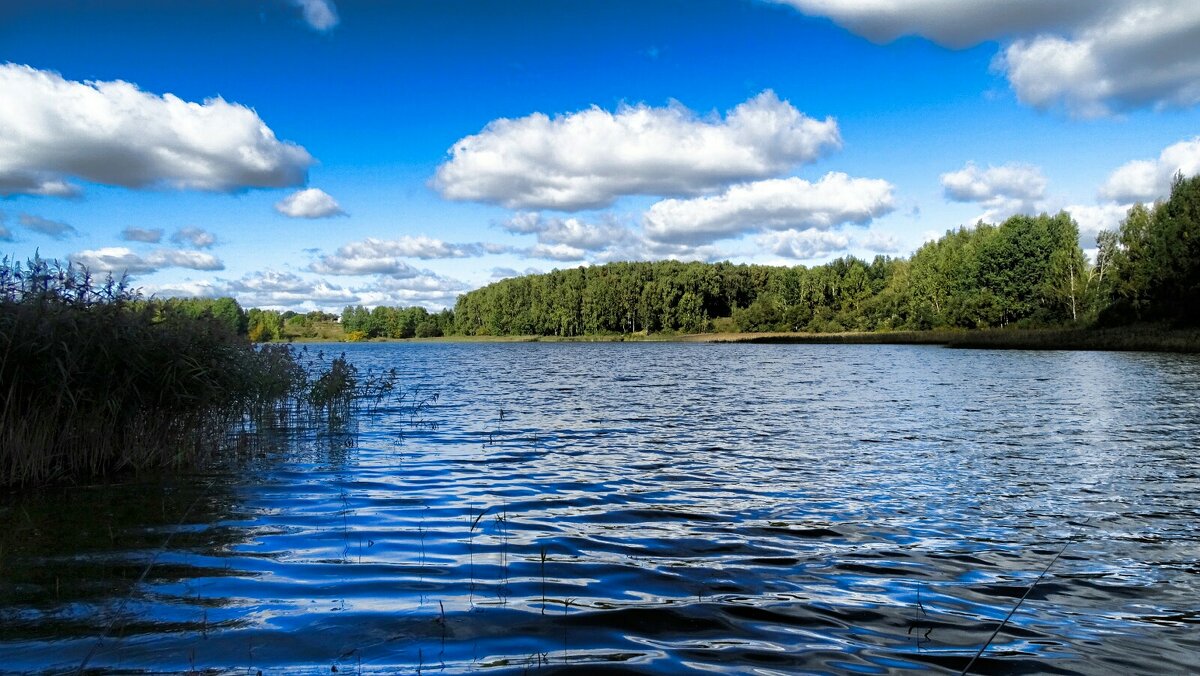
[{"x": 96, "y": 380}]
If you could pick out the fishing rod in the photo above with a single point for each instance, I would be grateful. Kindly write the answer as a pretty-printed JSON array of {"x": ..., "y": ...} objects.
[{"x": 1019, "y": 602}]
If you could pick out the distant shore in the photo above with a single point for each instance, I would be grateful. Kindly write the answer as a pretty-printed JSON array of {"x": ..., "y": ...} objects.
[
  {"x": 1147, "y": 338},
  {"x": 1131, "y": 339}
]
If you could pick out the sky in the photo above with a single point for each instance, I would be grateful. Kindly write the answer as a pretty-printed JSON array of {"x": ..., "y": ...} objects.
[{"x": 313, "y": 154}]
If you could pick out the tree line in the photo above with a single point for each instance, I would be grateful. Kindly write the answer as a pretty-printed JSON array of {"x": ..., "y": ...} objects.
[{"x": 1027, "y": 271}]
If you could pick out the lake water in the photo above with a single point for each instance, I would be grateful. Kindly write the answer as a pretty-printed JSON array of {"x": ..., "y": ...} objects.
[{"x": 655, "y": 508}]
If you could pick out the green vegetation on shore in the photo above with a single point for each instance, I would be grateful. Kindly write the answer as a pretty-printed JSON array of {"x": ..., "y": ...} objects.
[{"x": 94, "y": 380}]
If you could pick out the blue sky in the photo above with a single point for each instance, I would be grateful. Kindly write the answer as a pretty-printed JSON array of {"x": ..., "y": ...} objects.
[{"x": 310, "y": 154}]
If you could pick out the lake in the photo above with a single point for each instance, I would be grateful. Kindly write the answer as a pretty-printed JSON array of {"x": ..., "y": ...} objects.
[{"x": 654, "y": 507}]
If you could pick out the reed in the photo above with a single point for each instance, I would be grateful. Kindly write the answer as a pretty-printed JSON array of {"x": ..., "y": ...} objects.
[{"x": 94, "y": 380}]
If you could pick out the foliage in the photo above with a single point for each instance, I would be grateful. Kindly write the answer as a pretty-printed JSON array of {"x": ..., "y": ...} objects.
[
  {"x": 1027, "y": 272},
  {"x": 1029, "y": 269},
  {"x": 1151, "y": 265},
  {"x": 94, "y": 380},
  {"x": 394, "y": 322}
]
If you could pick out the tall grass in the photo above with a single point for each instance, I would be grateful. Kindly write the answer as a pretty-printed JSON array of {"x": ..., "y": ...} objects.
[{"x": 95, "y": 380}]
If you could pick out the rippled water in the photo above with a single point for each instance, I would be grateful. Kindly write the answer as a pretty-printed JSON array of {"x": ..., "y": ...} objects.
[{"x": 655, "y": 508}]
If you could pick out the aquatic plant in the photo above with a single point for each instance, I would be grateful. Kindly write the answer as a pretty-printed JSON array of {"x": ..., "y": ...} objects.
[{"x": 95, "y": 380}]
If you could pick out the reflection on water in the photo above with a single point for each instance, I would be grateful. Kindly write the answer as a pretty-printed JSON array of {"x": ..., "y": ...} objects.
[{"x": 655, "y": 507}]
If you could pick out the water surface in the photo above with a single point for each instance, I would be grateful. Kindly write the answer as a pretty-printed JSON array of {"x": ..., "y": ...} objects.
[{"x": 654, "y": 508}]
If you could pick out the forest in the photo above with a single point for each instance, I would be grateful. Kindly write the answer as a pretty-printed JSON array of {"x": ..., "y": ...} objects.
[{"x": 1028, "y": 271}]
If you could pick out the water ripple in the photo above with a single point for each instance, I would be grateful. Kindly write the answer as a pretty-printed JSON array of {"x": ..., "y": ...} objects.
[{"x": 650, "y": 508}]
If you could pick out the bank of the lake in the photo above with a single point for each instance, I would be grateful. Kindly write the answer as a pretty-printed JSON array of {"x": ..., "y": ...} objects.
[{"x": 1138, "y": 338}]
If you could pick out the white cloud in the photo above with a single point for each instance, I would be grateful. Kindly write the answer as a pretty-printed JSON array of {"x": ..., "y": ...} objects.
[
  {"x": 269, "y": 288},
  {"x": 197, "y": 238},
  {"x": 1090, "y": 57},
  {"x": 1141, "y": 54},
  {"x": 118, "y": 259},
  {"x": 1094, "y": 218},
  {"x": 776, "y": 204},
  {"x": 556, "y": 252},
  {"x": 115, "y": 134},
  {"x": 48, "y": 227},
  {"x": 382, "y": 256},
  {"x": 150, "y": 235},
  {"x": 570, "y": 232},
  {"x": 810, "y": 244},
  {"x": 274, "y": 289},
  {"x": 1149, "y": 180},
  {"x": 1005, "y": 190},
  {"x": 262, "y": 289},
  {"x": 199, "y": 288},
  {"x": 428, "y": 290},
  {"x": 6, "y": 235},
  {"x": 878, "y": 242},
  {"x": 177, "y": 258},
  {"x": 337, "y": 265},
  {"x": 590, "y": 158},
  {"x": 309, "y": 203},
  {"x": 320, "y": 15},
  {"x": 804, "y": 244}
]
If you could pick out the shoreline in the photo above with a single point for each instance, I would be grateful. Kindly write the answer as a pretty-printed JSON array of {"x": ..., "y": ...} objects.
[{"x": 1142, "y": 338}]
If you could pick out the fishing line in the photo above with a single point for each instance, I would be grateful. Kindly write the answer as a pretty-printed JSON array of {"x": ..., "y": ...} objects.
[{"x": 1019, "y": 602}]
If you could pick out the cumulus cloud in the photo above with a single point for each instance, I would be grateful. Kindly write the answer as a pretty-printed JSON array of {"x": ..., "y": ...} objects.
[
  {"x": 191, "y": 288},
  {"x": 116, "y": 134},
  {"x": 570, "y": 232},
  {"x": 1149, "y": 180},
  {"x": 339, "y": 265},
  {"x": 48, "y": 227},
  {"x": 265, "y": 289},
  {"x": 1139, "y": 54},
  {"x": 804, "y": 244},
  {"x": 503, "y": 273},
  {"x": 775, "y": 204},
  {"x": 121, "y": 260},
  {"x": 953, "y": 23},
  {"x": 15, "y": 181},
  {"x": 589, "y": 159},
  {"x": 1004, "y": 190},
  {"x": 815, "y": 244},
  {"x": 197, "y": 238},
  {"x": 320, "y": 15},
  {"x": 1096, "y": 217},
  {"x": 555, "y": 252},
  {"x": 150, "y": 235},
  {"x": 1090, "y": 58},
  {"x": 878, "y": 242},
  {"x": 429, "y": 290},
  {"x": 275, "y": 289},
  {"x": 309, "y": 203},
  {"x": 269, "y": 288},
  {"x": 383, "y": 256}
]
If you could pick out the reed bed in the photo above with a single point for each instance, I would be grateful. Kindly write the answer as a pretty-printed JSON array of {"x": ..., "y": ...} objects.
[
  {"x": 95, "y": 380},
  {"x": 1136, "y": 338}
]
